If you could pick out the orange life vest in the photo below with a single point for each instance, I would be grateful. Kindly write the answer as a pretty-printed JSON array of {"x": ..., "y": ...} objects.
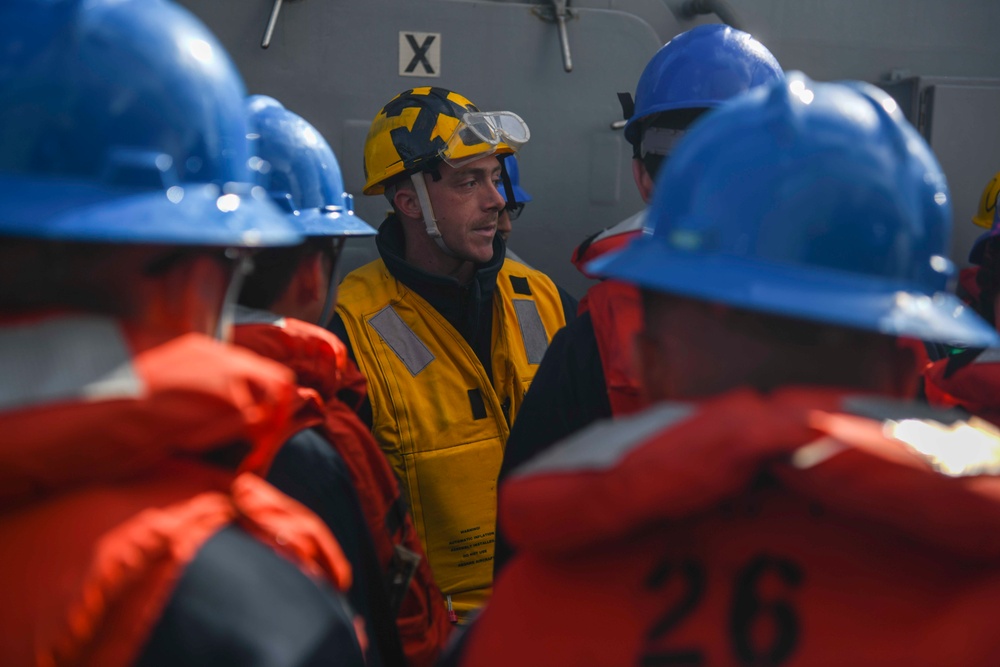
[
  {"x": 105, "y": 490},
  {"x": 320, "y": 362},
  {"x": 616, "y": 312},
  {"x": 785, "y": 530}
]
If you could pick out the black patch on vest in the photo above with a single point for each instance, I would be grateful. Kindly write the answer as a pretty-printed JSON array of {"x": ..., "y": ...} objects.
[
  {"x": 520, "y": 285},
  {"x": 478, "y": 406}
]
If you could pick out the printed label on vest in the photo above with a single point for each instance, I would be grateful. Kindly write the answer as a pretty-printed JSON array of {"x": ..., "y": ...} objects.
[{"x": 474, "y": 546}]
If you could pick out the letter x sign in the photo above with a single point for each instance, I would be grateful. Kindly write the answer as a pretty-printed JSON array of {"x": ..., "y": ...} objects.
[{"x": 420, "y": 54}]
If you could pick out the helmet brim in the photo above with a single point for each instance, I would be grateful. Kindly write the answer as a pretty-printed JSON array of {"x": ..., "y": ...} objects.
[
  {"x": 194, "y": 215},
  {"x": 332, "y": 223},
  {"x": 817, "y": 295}
]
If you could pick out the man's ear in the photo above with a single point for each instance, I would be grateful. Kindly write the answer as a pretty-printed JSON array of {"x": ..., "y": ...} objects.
[
  {"x": 643, "y": 180},
  {"x": 406, "y": 202}
]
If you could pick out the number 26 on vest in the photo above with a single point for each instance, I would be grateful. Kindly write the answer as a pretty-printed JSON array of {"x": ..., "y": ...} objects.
[{"x": 763, "y": 628}]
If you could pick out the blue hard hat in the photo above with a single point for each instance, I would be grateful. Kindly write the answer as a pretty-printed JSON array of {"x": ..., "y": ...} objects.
[
  {"x": 808, "y": 200},
  {"x": 298, "y": 169},
  {"x": 121, "y": 121},
  {"x": 514, "y": 171},
  {"x": 701, "y": 69}
]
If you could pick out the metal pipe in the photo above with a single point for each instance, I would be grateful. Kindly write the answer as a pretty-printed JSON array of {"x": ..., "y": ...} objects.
[
  {"x": 560, "y": 11},
  {"x": 271, "y": 22}
]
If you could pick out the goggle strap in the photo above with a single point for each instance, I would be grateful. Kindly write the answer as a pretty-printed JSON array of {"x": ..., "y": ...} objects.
[{"x": 508, "y": 187}]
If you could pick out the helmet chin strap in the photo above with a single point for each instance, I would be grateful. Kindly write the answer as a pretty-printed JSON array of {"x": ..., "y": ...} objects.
[
  {"x": 242, "y": 268},
  {"x": 420, "y": 185}
]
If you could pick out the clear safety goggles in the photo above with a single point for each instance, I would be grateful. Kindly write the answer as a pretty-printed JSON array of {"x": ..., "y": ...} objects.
[{"x": 480, "y": 133}]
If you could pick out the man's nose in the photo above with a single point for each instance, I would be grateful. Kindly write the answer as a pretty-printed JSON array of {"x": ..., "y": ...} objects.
[{"x": 496, "y": 199}]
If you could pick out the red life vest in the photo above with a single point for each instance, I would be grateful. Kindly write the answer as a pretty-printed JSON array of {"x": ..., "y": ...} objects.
[
  {"x": 782, "y": 530},
  {"x": 974, "y": 387},
  {"x": 616, "y": 312},
  {"x": 104, "y": 492},
  {"x": 320, "y": 362}
]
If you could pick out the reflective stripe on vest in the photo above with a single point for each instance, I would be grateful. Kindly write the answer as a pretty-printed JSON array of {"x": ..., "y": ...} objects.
[
  {"x": 416, "y": 356},
  {"x": 398, "y": 336},
  {"x": 43, "y": 365},
  {"x": 533, "y": 334},
  {"x": 988, "y": 356},
  {"x": 603, "y": 445},
  {"x": 246, "y": 315}
]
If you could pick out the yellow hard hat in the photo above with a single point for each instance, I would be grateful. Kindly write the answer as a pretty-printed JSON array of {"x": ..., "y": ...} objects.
[
  {"x": 421, "y": 127},
  {"x": 988, "y": 203}
]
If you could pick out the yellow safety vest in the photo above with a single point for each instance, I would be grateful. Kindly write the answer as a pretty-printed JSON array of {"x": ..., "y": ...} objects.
[{"x": 441, "y": 423}]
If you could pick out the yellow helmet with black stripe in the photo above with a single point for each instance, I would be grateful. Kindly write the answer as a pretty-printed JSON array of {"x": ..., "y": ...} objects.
[{"x": 421, "y": 127}]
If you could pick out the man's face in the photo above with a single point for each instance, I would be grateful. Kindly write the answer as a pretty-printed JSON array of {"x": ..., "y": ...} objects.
[
  {"x": 467, "y": 206},
  {"x": 504, "y": 224}
]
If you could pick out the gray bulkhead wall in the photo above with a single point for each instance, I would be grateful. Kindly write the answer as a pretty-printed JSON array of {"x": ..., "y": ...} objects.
[{"x": 336, "y": 62}]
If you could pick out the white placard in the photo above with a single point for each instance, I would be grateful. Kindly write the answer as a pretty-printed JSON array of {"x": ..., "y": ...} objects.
[{"x": 420, "y": 54}]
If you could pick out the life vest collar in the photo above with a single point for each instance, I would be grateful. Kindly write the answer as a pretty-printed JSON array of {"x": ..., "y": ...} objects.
[
  {"x": 79, "y": 402},
  {"x": 863, "y": 457},
  {"x": 607, "y": 240}
]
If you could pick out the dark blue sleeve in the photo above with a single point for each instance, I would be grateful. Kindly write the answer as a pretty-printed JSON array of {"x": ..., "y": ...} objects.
[
  {"x": 568, "y": 393},
  {"x": 309, "y": 469},
  {"x": 569, "y": 304},
  {"x": 239, "y": 604}
]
